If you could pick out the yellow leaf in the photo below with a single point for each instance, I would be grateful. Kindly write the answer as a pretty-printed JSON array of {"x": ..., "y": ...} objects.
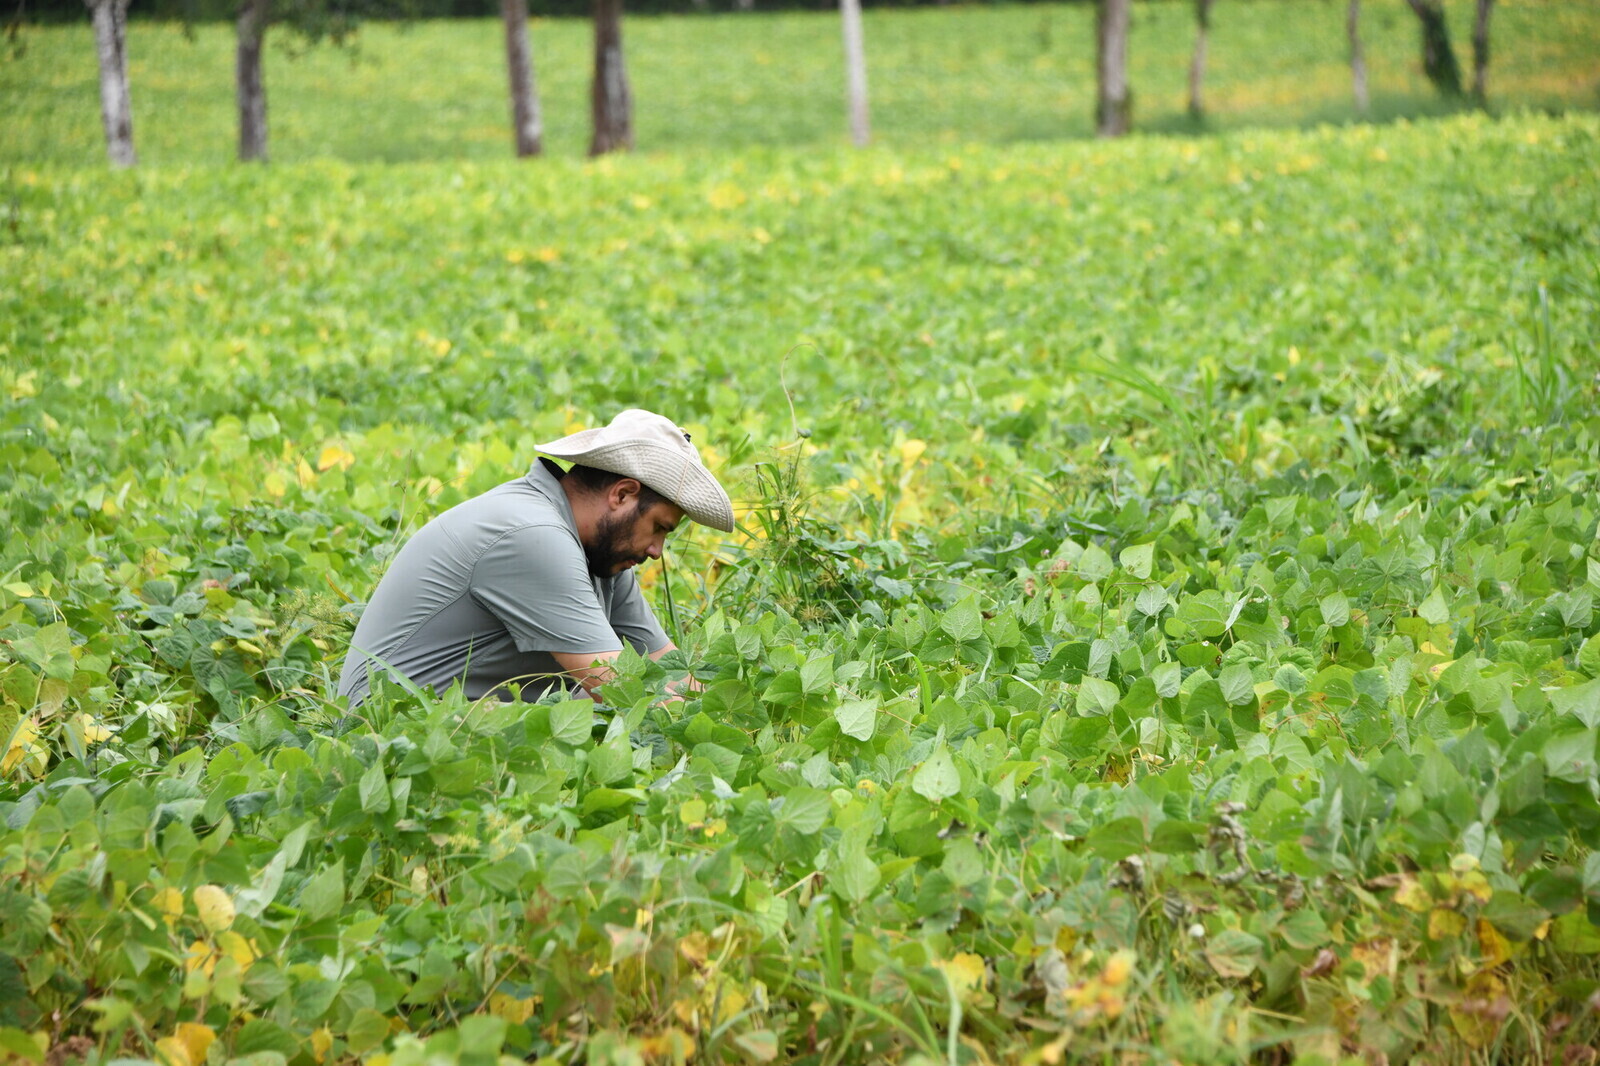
[
  {"x": 304, "y": 474},
  {"x": 514, "y": 1010},
  {"x": 336, "y": 455},
  {"x": 196, "y": 1040},
  {"x": 672, "y": 1044},
  {"x": 547, "y": 254},
  {"x": 24, "y": 750},
  {"x": 692, "y": 812},
  {"x": 276, "y": 484},
  {"x": 199, "y": 957},
  {"x": 1444, "y": 924},
  {"x": 171, "y": 1052},
  {"x": 911, "y": 450},
  {"x": 169, "y": 901},
  {"x": 321, "y": 1041},
  {"x": 1412, "y": 896},
  {"x": 237, "y": 947},
  {"x": 1495, "y": 947},
  {"x": 214, "y": 906},
  {"x": 965, "y": 973},
  {"x": 92, "y": 731},
  {"x": 1118, "y": 968}
]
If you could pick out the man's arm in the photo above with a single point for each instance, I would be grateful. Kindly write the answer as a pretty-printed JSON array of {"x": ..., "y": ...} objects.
[{"x": 593, "y": 670}]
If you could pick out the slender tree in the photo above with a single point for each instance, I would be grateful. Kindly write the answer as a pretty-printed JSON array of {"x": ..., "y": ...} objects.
[
  {"x": 1113, "y": 106},
  {"x": 1438, "y": 57},
  {"x": 249, "y": 87},
  {"x": 1358, "y": 60},
  {"x": 1197, "y": 65},
  {"x": 527, "y": 121},
  {"x": 612, "y": 102},
  {"x": 855, "y": 62},
  {"x": 110, "y": 18},
  {"x": 1480, "y": 52}
]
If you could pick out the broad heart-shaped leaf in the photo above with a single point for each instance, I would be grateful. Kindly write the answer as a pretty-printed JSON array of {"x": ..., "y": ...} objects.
[
  {"x": 853, "y": 873},
  {"x": 804, "y": 809},
  {"x": 816, "y": 675},
  {"x": 572, "y": 722},
  {"x": 1138, "y": 560},
  {"x": 963, "y": 622},
  {"x": 1206, "y": 613},
  {"x": 937, "y": 779},
  {"x": 50, "y": 649},
  {"x": 1238, "y": 687},
  {"x": 1096, "y": 696},
  {"x": 1095, "y": 563},
  {"x": 1589, "y": 656},
  {"x": 1336, "y": 609},
  {"x": 1580, "y": 701},
  {"x": 1233, "y": 953},
  {"x": 1151, "y": 599},
  {"x": 1434, "y": 610},
  {"x": 857, "y": 718},
  {"x": 374, "y": 789}
]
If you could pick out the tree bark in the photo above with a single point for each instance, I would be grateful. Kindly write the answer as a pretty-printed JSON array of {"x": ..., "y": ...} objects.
[
  {"x": 855, "y": 61},
  {"x": 1480, "y": 53},
  {"x": 1197, "y": 65},
  {"x": 1113, "y": 106},
  {"x": 1438, "y": 58},
  {"x": 249, "y": 87},
  {"x": 612, "y": 101},
  {"x": 1358, "y": 61},
  {"x": 526, "y": 119},
  {"x": 110, "y": 18}
]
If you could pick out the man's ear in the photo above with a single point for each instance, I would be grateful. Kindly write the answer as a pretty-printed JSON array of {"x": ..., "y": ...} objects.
[{"x": 623, "y": 493}]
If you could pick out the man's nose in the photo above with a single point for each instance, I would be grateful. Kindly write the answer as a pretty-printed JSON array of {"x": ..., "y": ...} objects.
[{"x": 656, "y": 548}]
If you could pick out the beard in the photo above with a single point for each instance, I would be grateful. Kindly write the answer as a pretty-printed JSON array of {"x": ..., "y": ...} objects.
[{"x": 610, "y": 550}]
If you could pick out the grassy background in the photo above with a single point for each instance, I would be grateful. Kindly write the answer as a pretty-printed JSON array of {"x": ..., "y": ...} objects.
[{"x": 950, "y": 75}]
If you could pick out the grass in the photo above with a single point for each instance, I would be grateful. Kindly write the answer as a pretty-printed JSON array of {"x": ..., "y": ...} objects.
[{"x": 939, "y": 76}]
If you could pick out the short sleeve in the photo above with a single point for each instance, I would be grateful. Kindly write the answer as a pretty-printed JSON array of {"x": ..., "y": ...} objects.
[
  {"x": 536, "y": 581},
  {"x": 632, "y": 617}
]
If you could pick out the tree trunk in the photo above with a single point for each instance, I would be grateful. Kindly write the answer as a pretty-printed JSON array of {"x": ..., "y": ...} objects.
[
  {"x": 250, "y": 89},
  {"x": 110, "y": 18},
  {"x": 1197, "y": 65},
  {"x": 855, "y": 62},
  {"x": 1438, "y": 58},
  {"x": 1480, "y": 53},
  {"x": 612, "y": 102},
  {"x": 526, "y": 120},
  {"x": 1358, "y": 61},
  {"x": 1112, "y": 107}
]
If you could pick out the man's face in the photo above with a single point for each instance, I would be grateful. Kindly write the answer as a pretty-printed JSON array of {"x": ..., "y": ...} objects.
[{"x": 630, "y": 535}]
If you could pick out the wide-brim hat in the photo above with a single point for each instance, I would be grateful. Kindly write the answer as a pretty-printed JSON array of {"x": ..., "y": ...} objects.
[{"x": 652, "y": 450}]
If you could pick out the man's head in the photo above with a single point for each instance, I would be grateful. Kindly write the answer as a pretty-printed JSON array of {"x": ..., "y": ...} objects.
[
  {"x": 648, "y": 449},
  {"x": 629, "y": 520}
]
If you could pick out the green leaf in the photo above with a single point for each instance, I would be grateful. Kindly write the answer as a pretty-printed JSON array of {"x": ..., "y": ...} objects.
[
  {"x": 1336, "y": 609},
  {"x": 323, "y": 894},
  {"x": 374, "y": 789},
  {"x": 1138, "y": 560},
  {"x": 1434, "y": 610},
  {"x": 963, "y": 622},
  {"x": 1589, "y": 656},
  {"x": 857, "y": 718},
  {"x": 1117, "y": 839},
  {"x": 572, "y": 722},
  {"x": 1096, "y": 696},
  {"x": 49, "y": 649},
  {"x": 1237, "y": 684},
  {"x": 937, "y": 778},
  {"x": 805, "y": 810},
  {"x": 1233, "y": 953},
  {"x": 1095, "y": 563},
  {"x": 1580, "y": 701},
  {"x": 816, "y": 675}
]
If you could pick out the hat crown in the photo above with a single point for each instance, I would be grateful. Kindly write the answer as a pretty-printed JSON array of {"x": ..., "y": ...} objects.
[{"x": 651, "y": 449}]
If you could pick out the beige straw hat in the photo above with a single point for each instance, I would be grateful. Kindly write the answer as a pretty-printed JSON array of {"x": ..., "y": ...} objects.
[{"x": 650, "y": 449}]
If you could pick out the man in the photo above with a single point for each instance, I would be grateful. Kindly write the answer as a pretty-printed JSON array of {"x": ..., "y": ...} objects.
[{"x": 531, "y": 584}]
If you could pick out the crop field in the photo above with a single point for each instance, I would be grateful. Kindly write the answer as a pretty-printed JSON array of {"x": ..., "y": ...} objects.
[
  {"x": 939, "y": 76},
  {"x": 1161, "y": 626}
]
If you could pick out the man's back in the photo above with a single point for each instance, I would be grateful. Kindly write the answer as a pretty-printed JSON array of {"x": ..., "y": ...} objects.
[{"x": 487, "y": 590}]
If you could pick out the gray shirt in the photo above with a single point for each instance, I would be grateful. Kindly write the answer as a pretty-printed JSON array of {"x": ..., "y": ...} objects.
[{"x": 486, "y": 591}]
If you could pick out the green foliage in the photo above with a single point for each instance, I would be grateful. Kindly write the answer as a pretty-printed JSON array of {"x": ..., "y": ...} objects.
[
  {"x": 945, "y": 75},
  {"x": 1267, "y": 728}
]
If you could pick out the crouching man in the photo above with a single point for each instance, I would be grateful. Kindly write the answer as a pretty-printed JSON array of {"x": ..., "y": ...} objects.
[{"x": 532, "y": 583}]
